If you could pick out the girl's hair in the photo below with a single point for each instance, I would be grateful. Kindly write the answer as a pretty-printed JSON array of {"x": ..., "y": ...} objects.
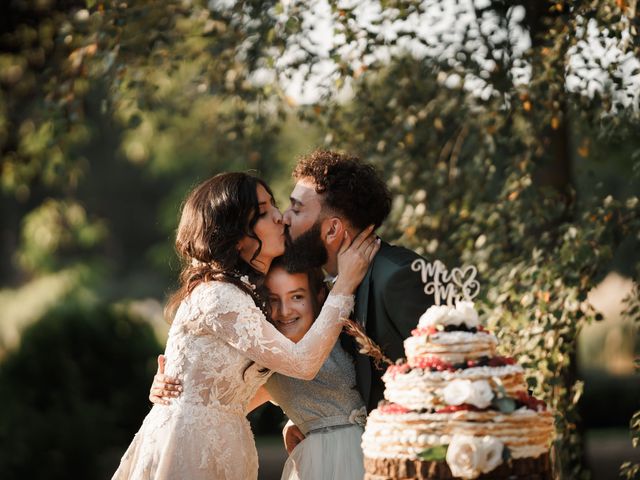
[{"x": 216, "y": 215}]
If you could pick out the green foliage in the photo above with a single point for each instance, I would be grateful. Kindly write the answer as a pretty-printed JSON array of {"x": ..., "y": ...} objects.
[
  {"x": 53, "y": 227},
  {"x": 40, "y": 96},
  {"x": 488, "y": 179},
  {"x": 157, "y": 71},
  {"x": 75, "y": 388},
  {"x": 103, "y": 106},
  {"x": 434, "y": 454},
  {"x": 631, "y": 470},
  {"x": 23, "y": 306}
]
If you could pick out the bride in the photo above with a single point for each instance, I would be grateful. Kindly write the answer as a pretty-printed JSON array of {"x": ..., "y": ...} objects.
[{"x": 221, "y": 343}]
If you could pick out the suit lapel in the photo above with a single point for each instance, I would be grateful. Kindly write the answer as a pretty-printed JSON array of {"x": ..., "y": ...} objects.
[
  {"x": 362, "y": 362},
  {"x": 362, "y": 299}
]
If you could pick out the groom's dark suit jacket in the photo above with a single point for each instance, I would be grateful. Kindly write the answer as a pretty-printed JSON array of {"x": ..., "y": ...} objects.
[{"x": 388, "y": 303}]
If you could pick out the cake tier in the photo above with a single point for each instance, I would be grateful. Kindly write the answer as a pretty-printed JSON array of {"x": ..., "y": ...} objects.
[
  {"x": 525, "y": 432},
  {"x": 452, "y": 347},
  {"x": 514, "y": 469},
  {"x": 418, "y": 389}
]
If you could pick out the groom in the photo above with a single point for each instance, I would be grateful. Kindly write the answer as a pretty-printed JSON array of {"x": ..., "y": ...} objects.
[{"x": 335, "y": 192}]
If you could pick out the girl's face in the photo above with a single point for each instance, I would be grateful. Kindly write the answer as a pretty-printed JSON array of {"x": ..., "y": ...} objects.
[
  {"x": 291, "y": 302},
  {"x": 269, "y": 229}
]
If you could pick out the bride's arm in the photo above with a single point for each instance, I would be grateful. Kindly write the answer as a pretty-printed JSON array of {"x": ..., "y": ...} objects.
[
  {"x": 232, "y": 316},
  {"x": 244, "y": 327}
]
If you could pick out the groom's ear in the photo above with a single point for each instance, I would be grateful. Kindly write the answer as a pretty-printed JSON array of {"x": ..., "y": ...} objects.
[{"x": 333, "y": 231}]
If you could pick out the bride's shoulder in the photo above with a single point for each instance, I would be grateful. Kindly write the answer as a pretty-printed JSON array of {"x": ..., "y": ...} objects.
[
  {"x": 216, "y": 287},
  {"x": 212, "y": 297},
  {"x": 217, "y": 292}
]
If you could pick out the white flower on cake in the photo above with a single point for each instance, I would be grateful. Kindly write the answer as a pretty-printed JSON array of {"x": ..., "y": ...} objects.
[
  {"x": 477, "y": 393},
  {"x": 469, "y": 456},
  {"x": 463, "y": 312},
  {"x": 492, "y": 453},
  {"x": 435, "y": 315}
]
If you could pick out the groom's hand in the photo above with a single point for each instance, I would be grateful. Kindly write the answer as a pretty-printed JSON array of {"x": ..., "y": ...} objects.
[
  {"x": 292, "y": 436},
  {"x": 164, "y": 387}
]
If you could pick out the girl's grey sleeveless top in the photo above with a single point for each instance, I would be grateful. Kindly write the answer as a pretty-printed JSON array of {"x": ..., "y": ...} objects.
[{"x": 330, "y": 399}]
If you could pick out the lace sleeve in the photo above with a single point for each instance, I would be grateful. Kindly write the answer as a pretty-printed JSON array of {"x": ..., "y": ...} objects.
[{"x": 232, "y": 315}]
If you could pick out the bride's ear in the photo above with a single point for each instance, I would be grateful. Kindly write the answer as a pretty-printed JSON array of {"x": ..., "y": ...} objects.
[{"x": 240, "y": 245}]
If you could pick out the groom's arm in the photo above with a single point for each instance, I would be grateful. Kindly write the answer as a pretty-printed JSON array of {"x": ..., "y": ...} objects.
[{"x": 164, "y": 387}]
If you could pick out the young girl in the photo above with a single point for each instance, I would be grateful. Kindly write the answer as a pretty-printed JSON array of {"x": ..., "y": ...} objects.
[
  {"x": 328, "y": 409},
  {"x": 220, "y": 341}
]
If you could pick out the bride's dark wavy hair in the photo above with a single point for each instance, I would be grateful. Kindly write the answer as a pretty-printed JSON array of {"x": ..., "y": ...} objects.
[{"x": 216, "y": 215}]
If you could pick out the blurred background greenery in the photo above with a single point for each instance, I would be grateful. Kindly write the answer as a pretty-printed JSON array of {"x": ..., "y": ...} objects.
[{"x": 506, "y": 130}]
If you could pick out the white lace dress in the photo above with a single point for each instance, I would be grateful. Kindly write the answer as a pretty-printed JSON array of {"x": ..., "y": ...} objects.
[{"x": 217, "y": 332}]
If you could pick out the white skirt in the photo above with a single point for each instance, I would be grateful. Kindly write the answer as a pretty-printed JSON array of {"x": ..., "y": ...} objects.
[{"x": 332, "y": 453}]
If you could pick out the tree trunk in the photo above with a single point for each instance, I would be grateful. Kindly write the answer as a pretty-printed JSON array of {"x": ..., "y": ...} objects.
[{"x": 554, "y": 162}]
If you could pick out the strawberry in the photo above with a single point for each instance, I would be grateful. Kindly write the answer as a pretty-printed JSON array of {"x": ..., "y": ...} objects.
[
  {"x": 531, "y": 402},
  {"x": 392, "y": 408},
  {"x": 394, "y": 370},
  {"x": 433, "y": 363},
  {"x": 500, "y": 361},
  {"x": 417, "y": 332}
]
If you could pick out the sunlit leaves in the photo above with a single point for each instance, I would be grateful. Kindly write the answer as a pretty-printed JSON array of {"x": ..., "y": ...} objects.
[
  {"x": 54, "y": 227},
  {"x": 168, "y": 89}
]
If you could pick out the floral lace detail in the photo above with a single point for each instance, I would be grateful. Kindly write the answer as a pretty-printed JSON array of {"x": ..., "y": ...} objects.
[
  {"x": 342, "y": 302},
  {"x": 219, "y": 345}
]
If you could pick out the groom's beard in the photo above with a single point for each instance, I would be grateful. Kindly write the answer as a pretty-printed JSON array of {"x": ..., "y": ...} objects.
[{"x": 305, "y": 252}]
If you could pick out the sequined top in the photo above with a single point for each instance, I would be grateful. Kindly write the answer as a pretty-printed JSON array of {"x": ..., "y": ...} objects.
[{"x": 330, "y": 399}]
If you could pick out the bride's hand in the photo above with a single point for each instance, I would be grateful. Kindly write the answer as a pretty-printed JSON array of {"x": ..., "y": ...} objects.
[
  {"x": 164, "y": 387},
  {"x": 354, "y": 258}
]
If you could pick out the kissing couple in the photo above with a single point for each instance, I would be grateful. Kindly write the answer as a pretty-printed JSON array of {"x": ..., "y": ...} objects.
[{"x": 254, "y": 320}]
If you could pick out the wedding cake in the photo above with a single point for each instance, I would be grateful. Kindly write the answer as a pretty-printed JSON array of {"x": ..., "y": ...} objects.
[{"x": 456, "y": 409}]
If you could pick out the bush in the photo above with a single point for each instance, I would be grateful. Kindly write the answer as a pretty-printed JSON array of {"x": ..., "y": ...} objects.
[{"x": 76, "y": 388}]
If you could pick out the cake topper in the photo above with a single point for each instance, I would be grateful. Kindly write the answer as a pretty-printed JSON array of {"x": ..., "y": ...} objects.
[{"x": 447, "y": 286}]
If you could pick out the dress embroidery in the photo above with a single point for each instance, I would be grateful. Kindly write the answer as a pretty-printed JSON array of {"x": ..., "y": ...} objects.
[{"x": 217, "y": 333}]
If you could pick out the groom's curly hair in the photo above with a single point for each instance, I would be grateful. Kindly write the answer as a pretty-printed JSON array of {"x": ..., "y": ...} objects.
[{"x": 350, "y": 187}]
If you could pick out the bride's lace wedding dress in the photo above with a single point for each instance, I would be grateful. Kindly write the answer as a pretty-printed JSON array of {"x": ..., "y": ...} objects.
[{"x": 219, "y": 345}]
